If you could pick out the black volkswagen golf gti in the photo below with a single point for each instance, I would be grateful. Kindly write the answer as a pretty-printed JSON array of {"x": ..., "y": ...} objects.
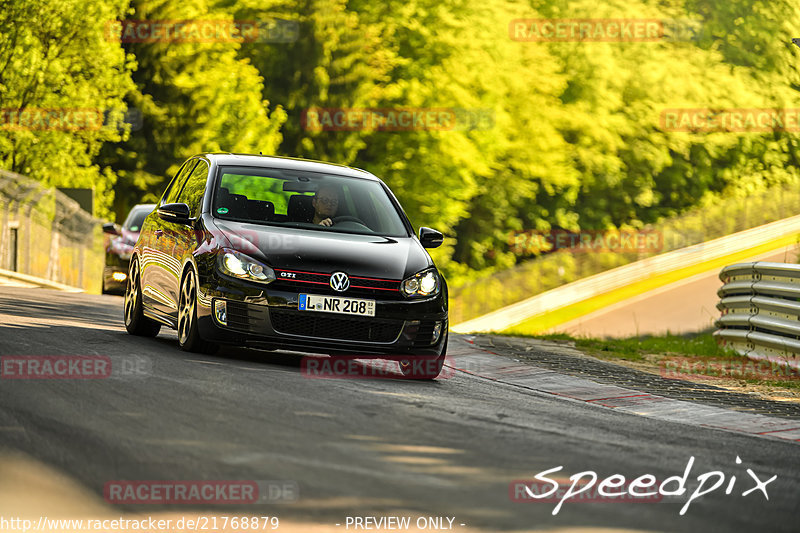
[{"x": 292, "y": 254}]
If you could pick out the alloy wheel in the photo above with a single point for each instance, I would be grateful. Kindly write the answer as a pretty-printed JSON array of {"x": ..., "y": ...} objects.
[
  {"x": 186, "y": 307},
  {"x": 132, "y": 292}
]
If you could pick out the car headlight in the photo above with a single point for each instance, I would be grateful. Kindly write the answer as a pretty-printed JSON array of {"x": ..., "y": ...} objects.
[
  {"x": 425, "y": 283},
  {"x": 241, "y": 266}
]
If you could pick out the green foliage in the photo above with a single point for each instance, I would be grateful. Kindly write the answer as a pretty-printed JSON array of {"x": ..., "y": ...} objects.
[
  {"x": 44, "y": 69},
  {"x": 194, "y": 97},
  {"x": 336, "y": 61}
]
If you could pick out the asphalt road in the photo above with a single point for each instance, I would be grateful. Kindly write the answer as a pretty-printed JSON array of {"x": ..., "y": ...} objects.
[{"x": 353, "y": 447}]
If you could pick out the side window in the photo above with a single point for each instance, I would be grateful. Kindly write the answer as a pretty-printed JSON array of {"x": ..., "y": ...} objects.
[
  {"x": 192, "y": 193},
  {"x": 175, "y": 186}
]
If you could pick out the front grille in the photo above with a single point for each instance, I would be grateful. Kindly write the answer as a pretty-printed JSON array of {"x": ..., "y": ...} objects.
[
  {"x": 316, "y": 283},
  {"x": 310, "y": 324},
  {"x": 325, "y": 290}
]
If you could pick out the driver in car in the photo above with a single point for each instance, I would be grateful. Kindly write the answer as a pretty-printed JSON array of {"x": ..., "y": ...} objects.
[{"x": 325, "y": 204}]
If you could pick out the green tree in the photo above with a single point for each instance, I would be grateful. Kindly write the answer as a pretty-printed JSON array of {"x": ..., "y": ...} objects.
[
  {"x": 194, "y": 97},
  {"x": 337, "y": 60},
  {"x": 471, "y": 181},
  {"x": 62, "y": 85}
]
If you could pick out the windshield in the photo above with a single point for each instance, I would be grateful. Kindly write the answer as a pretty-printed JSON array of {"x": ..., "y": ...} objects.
[
  {"x": 136, "y": 217},
  {"x": 324, "y": 202}
]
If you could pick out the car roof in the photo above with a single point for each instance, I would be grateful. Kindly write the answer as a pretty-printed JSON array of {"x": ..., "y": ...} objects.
[{"x": 290, "y": 163}]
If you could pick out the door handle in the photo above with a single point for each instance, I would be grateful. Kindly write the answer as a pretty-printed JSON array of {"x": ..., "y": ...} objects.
[{"x": 159, "y": 233}]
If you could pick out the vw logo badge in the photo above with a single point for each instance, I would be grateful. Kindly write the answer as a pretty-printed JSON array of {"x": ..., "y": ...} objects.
[{"x": 339, "y": 281}]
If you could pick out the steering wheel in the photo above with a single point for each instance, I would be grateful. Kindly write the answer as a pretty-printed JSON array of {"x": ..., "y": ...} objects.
[{"x": 347, "y": 218}]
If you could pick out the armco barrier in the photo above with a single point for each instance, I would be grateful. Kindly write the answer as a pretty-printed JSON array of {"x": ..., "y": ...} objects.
[
  {"x": 760, "y": 311},
  {"x": 45, "y": 234}
]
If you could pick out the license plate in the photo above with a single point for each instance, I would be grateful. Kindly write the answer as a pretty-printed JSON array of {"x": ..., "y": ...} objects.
[{"x": 336, "y": 304}]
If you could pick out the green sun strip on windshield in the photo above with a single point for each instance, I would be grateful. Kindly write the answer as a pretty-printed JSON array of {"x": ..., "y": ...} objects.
[{"x": 260, "y": 188}]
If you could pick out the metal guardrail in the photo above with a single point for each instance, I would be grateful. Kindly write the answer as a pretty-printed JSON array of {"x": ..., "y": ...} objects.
[{"x": 760, "y": 311}]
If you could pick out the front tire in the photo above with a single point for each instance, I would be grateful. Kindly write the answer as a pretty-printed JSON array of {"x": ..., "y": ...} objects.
[
  {"x": 189, "y": 338},
  {"x": 135, "y": 321}
]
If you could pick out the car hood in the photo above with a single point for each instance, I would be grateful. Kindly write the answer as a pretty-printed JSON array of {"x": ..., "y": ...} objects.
[{"x": 320, "y": 251}]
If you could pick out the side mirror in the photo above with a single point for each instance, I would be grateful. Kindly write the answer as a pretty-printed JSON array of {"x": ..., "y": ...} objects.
[
  {"x": 111, "y": 229},
  {"x": 177, "y": 213},
  {"x": 430, "y": 238}
]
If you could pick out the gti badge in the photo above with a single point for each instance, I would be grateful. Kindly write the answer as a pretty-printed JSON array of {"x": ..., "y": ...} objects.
[{"x": 339, "y": 281}]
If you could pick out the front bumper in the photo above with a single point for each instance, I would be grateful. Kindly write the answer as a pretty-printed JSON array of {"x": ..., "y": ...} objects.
[{"x": 268, "y": 316}]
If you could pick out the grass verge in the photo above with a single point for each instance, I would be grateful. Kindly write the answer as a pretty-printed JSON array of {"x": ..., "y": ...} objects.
[{"x": 696, "y": 358}]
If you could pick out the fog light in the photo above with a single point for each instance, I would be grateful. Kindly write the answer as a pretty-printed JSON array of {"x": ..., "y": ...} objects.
[
  {"x": 437, "y": 332},
  {"x": 119, "y": 276},
  {"x": 221, "y": 312}
]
